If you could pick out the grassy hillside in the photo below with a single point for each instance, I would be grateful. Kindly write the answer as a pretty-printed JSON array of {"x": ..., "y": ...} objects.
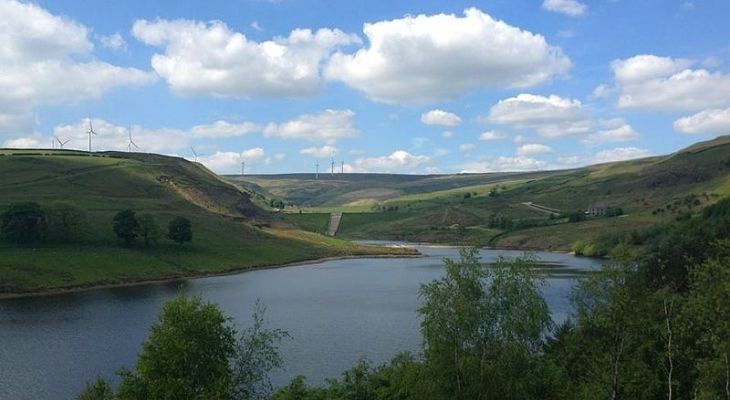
[
  {"x": 229, "y": 231},
  {"x": 474, "y": 207}
]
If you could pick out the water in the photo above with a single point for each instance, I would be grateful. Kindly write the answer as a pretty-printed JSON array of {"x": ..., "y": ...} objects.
[{"x": 336, "y": 312}]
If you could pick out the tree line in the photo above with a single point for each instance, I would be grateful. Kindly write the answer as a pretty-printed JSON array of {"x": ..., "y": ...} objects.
[
  {"x": 31, "y": 224},
  {"x": 651, "y": 324}
]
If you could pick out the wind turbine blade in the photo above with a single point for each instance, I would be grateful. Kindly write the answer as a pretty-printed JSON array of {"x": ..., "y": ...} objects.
[{"x": 67, "y": 140}]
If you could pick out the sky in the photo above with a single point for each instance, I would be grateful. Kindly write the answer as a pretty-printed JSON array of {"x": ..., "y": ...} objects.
[{"x": 424, "y": 87}]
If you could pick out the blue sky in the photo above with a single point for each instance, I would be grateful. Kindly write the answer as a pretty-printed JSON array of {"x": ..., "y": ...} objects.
[{"x": 398, "y": 86}]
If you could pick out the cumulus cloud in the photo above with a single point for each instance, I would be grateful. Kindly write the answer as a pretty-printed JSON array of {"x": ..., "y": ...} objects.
[
  {"x": 491, "y": 135},
  {"x": 115, "y": 137},
  {"x": 649, "y": 82},
  {"x": 227, "y": 162},
  {"x": 571, "y": 8},
  {"x": 440, "y": 117},
  {"x": 532, "y": 149},
  {"x": 114, "y": 41},
  {"x": 715, "y": 121},
  {"x": 319, "y": 152},
  {"x": 551, "y": 116},
  {"x": 466, "y": 147},
  {"x": 505, "y": 164},
  {"x": 621, "y": 133},
  {"x": 39, "y": 64},
  {"x": 26, "y": 143},
  {"x": 224, "y": 129},
  {"x": 210, "y": 59},
  {"x": 398, "y": 161},
  {"x": 621, "y": 154},
  {"x": 428, "y": 58},
  {"x": 328, "y": 126}
]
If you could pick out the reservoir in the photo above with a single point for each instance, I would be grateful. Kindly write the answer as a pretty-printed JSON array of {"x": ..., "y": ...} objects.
[{"x": 336, "y": 312}]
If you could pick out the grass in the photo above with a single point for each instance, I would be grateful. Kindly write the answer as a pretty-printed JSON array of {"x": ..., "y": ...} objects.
[
  {"x": 458, "y": 208},
  {"x": 227, "y": 232}
]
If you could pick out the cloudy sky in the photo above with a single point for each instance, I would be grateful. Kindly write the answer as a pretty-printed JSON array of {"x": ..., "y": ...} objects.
[{"x": 398, "y": 86}]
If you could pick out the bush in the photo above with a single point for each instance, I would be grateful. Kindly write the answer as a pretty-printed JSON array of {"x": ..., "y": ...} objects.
[
  {"x": 180, "y": 230},
  {"x": 65, "y": 222},
  {"x": 126, "y": 226},
  {"x": 24, "y": 223}
]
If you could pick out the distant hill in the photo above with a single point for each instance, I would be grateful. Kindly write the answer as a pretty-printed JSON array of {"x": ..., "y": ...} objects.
[
  {"x": 229, "y": 231},
  {"x": 523, "y": 210}
]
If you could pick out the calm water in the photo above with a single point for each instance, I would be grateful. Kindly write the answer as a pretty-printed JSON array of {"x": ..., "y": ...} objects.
[{"x": 336, "y": 312}]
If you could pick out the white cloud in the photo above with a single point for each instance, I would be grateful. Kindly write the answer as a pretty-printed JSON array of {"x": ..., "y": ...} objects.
[
  {"x": 570, "y": 160},
  {"x": 224, "y": 129},
  {"x": 39, "y": 59},
  {"x": 114, "y": 137},
  {"x": 491, "y": 135},
  {"x": 716, "y": 121},
  {"x": 466, "y": 147},
  {"x": 504, "y": 164},
  {"x": 440, "y": 117},
  {"x": 114, "y": 41},
  {"x": 279, "y": 156},
  {"x": 25, "y": 143},
  {"x": 649, "y": 82},
  {"x": 573, "y": 8},
  {"x": 228, "y": 162},
  {"x": 256, "y": 26},
  {"x": 622, "y": 133},
  {"x": 419, "y": 141},
  {"x": 319, "y": 152},
  {"x": 447, "y": 134},
  {"x": 327, "y": 126},
  {"x": 551, "y": 116},
  {"x": 520, "y": 139},
  {"x": 532, "y": 149},
  {"x": 421, "y": 59},
  {"x": 621, "y": 154},
  {"x": 398, "y": 161},
  {"x": 209, "y": 59}
]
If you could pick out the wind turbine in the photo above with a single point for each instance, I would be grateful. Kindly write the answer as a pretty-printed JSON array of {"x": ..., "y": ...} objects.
[
  {"x": 316, "y": 171},
  {"x": 131, "y": 142},
  {"x": 243, "y": 165},
  {"x": 342, "y": 166},
  {"x": 90, "y": 132},
  {"x": 332, "y": 171},
  {"x": 194, "y": 153},
  {"x": 61, "y": 142}
]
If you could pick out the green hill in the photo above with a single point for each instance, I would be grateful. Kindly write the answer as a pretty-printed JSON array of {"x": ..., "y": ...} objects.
[
  {"x": 522, "y": 210},
  {"x": 229, "y": 231}
]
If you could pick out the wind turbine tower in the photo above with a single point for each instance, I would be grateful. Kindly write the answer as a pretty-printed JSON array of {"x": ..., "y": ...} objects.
[
  {"x": 90, "y": 132},
  {"x": 131, "y": 142},
  {"x": 332, "y": 171},
  {"x": 243, "y": 167},
  {"x": 60, "y": 142},
  {"x": 316, "y": 171},
  {"x": 342, "y": 166},
  {"x": 195, "y": 154}
]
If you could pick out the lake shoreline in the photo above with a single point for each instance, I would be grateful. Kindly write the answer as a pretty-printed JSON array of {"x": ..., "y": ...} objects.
[{"x": 172, "y": 279}]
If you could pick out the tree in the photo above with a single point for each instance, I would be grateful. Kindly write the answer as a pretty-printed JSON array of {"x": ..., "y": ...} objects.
[
  {"x": 256, "y": 355},
  {"x": 24, "y": 223},
  {"x": 180, "y": 230},
  {"x": 100, "y": 389},
  {"x": 186, "y": 355},
  {"x": 64, "y": 222},
  {"x": 482, "y": 327},
  {"x": 148, "y": 229},
  {"x": 126, "y": 226}
]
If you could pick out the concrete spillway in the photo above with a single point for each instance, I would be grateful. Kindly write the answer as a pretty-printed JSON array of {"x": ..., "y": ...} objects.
[{"x": 335, "y": 219}]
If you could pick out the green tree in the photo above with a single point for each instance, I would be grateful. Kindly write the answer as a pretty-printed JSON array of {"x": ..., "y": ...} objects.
[
  {"x": 148, "y": 229},
  {"x": 24, "y": 223},
  {"x": 180, "y": 230},
  {"x": 186, "y": 355},
  {"x": 100, "y": 389},
  {"x": 126, "y": 226},
  {"x": 709, "y": 310},
  {"x": 65, "y": 222},
  {"x": 256, "y": 355},
  {"x": 482, "y": 329}
]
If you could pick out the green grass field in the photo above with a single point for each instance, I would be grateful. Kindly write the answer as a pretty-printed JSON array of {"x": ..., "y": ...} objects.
[
  {"x": 457, "y": 208},
  {"x": 227, "y": 225}
]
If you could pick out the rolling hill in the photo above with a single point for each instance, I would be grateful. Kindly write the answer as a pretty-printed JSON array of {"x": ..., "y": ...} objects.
[
  {"x": 521, "y": 210},
  {"x": 229, "y": 231}
]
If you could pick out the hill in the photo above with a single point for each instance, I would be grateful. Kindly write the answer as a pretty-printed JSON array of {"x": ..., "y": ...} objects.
[
  {"x": 540, "y": 210},
  {"x": 229, "y": 231}
]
